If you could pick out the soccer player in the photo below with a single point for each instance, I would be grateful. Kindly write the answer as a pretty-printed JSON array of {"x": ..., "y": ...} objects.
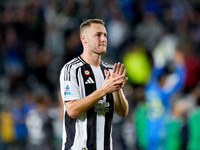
[{"x": 91, "y": 91}]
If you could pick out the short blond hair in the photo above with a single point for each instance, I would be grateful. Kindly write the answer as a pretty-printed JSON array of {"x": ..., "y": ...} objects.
[{"x": 88, "y": 22}]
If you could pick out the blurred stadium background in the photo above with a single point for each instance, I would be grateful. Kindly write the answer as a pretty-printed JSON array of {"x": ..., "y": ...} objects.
[{"x": 37, "y": 37}]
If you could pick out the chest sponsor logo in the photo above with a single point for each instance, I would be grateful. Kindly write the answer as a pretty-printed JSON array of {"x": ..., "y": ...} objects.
[{"x": 102, "y": 107}]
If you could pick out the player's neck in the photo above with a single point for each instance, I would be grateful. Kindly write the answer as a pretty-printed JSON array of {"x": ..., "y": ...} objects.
[{"x": 91, "y": 58}]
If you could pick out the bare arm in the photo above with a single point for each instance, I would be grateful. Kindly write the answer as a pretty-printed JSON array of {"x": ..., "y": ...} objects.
[
  {"x": 76, "y": 107},
  {"x": 120, "y": 103}
]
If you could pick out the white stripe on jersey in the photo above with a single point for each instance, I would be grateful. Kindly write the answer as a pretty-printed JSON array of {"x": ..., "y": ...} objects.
[{"x": 100, "y": 115}]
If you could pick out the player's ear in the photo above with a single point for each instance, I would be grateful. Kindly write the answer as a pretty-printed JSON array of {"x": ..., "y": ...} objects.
[{"x": 83, "y": 38}]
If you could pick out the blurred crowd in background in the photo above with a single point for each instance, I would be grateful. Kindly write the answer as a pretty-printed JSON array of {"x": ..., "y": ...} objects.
[{"x": 37, "y": 37}]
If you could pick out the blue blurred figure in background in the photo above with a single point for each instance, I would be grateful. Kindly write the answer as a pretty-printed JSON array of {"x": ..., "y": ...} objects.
[{"x": 158, "y": 91}]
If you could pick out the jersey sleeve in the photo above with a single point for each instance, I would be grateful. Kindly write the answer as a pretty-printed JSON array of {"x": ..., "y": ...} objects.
[{"x": 68, "y": 85}]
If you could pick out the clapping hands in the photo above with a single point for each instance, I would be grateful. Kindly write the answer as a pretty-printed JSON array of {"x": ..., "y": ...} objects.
[{"x": 116, "y": 80}]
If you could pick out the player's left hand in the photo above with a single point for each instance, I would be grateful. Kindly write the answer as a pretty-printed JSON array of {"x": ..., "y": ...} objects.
[{"x": 119, "y": 71}]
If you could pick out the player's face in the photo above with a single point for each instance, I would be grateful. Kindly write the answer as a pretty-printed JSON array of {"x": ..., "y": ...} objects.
[{"x": 97, "y": 38}]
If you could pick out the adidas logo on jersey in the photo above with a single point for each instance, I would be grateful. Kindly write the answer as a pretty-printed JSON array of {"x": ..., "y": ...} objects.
[{"x": 89, "y": 81}]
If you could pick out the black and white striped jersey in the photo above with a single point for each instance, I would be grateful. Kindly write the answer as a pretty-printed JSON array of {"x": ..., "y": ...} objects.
[{"x": 92, "y": 129}]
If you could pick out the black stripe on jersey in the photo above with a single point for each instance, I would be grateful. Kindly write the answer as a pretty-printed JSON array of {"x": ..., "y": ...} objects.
[
  {"x": 108, "y": 122},
  {"x": 81, "y": 59},
  {"x": 77, "y": 79},
  {"x": 66, "y": 65},
  {"x": 91, "y": 114},
  {"x": 70, "y": 130},
  {"x": 108, "y": 116},
  {"x": 69, "y": 68}
]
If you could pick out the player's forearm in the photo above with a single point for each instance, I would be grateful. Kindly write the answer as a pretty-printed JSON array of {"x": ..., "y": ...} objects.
[
  {"x": 76, "y": 107},
  {"x": 120, "y": 104}
]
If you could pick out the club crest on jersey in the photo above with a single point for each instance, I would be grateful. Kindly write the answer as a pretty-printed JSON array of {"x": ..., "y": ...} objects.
[
  {"x": 67, "y": 90},
  {"x": 87, "y": 72}
]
